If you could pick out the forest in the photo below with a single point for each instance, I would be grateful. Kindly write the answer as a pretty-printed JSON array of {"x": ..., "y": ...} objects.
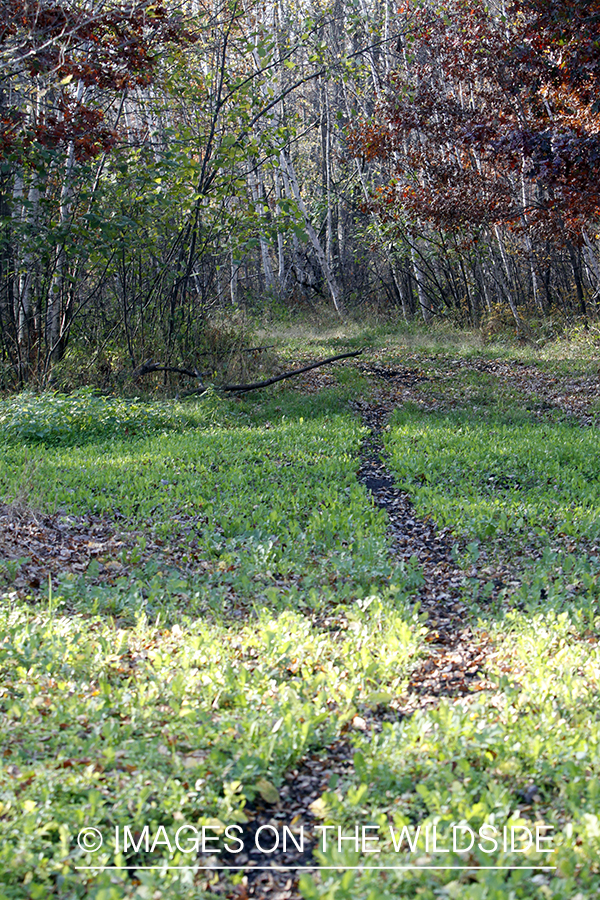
[
  {"x": 299, "y": 483},
  {"x": 165, "y": 166}
]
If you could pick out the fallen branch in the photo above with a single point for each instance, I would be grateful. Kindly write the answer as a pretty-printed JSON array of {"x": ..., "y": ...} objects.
[
  {"x": 256, "y": 349},
  {"x": 150, "y": 366},
  {"x": 242, "y": 388}
]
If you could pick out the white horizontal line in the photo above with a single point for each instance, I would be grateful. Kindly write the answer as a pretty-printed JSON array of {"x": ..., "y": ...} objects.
[{"x": 276, "y": 868}]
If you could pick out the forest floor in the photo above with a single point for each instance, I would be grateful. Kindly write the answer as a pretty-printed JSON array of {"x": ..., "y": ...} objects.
[{"x": 365, "y": 598}]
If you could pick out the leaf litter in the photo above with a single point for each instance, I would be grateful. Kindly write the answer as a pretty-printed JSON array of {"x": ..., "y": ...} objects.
[{"x": 456, "y": 653}]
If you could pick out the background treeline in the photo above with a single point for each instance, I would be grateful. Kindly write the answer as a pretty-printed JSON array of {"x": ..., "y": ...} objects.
[{"x": 161, "y": 165}]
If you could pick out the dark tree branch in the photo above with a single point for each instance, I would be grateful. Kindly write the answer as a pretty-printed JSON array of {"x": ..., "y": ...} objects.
[
  {"x": 242, "y": 388},
  {"x": 150, "y": 366},
  {"x": 256, "y": 349}
]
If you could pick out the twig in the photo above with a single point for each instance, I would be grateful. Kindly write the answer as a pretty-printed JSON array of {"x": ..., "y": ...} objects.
[
  {"x": 254, "y": 349},
  {"x": 151, "y": 366}
]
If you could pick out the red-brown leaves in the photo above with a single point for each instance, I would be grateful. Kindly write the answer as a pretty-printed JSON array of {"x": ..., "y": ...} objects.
[
  {"x": 494, "y": 121},
  {"x": 52, "y": 48}
]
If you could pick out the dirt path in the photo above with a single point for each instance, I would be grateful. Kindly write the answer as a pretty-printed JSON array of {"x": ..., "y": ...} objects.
[{"x": 452, "y": 666}]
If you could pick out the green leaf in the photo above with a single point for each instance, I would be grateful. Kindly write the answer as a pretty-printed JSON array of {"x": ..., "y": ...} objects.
[{"x": 267, "y": 791}]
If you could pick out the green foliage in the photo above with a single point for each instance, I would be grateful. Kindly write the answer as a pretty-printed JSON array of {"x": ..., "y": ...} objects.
[
  {"x": 258, "y": 612},
  {"x": 112, "y": 726},
  {"x": 60, "y": 420},
  {"x": 496, "y": 475},
  {"x": 258, "y": 502},
  {"x": 116, "y": 719},
  {"x": 526, "y": 755}
]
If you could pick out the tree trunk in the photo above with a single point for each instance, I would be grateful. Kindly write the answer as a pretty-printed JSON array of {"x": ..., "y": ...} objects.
[
  {"x": 418, "y": 276},
  {"x": 334, "y": 290},
  {"x": 506, "y": 282}
]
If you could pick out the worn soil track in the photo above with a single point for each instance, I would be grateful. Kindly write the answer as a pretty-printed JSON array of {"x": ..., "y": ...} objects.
[{"x": 452, "y": 666}]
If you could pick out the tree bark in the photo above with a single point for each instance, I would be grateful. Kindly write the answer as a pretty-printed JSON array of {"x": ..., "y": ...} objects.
[{"x": 334, "y": 290}]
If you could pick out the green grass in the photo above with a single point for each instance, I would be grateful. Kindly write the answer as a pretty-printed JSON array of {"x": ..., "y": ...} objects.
[
  {"x": 269, "y": 504},
  {"x": 474, "y": 764},
  {"x": 178, "y": 709},
  {"x": 500, "y": 474},
  {"x": 271, "y": 613},
  {"x": 573, "y": 350},
  {"x": 64, "y": 420},
  {"x": 112, "y": 727},
  {"x": 528, "y": 753}
]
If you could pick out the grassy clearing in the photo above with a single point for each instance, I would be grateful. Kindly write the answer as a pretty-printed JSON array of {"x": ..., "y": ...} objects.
[
  {"x": 270, "y": 614},
  {"x": 500, "y": 475},
  {"x": 266, "y": 499},
  {"x": 182, "y": 693},
  {"x": 571, "y": 351}
]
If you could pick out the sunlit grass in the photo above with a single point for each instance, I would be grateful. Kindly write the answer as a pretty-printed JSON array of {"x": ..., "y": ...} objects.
[
  {"x": 489, "y": 476},
  {"x": 528, "y": 752},
  {"x": 184, "y": 693}
]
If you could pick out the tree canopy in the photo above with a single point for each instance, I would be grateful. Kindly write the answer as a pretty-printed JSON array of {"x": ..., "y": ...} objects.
[{"x": 161, "y": 163}]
